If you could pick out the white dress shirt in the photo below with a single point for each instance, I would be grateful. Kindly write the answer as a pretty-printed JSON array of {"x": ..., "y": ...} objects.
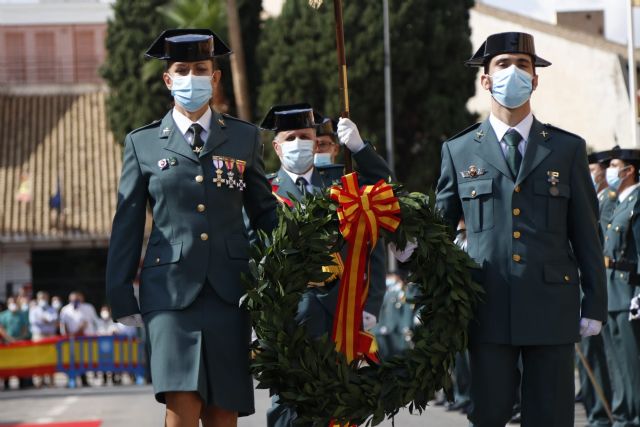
[
  {"x": 307, "y": 175},
  {"x": 183, "y": 122},
  {"x": 626, "y": 192},
  {"x": 523, "y": 128}
]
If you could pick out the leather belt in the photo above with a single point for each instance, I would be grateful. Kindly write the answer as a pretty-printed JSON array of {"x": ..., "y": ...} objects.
[{"x": 621, "y": 265}]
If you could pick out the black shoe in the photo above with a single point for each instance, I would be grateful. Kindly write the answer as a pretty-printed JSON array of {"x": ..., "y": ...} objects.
[{"x": 457, "y": 406}]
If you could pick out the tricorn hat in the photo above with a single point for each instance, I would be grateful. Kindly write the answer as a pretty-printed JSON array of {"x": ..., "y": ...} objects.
[
  {"x": 599, "y": 157},
  {"x": 327, "y": 126},
  {"x": 187, "y": 45},
  {"x": 289, "y": 117},
  {"x": 627, "y": 154},
  {"x": 511, "y": 42}
]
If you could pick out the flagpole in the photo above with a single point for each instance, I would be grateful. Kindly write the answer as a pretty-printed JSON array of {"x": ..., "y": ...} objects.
[
  {"x": 388, "y": 113},
  {"x": 342, "y": 76},
  {"x": 633, "y": 100}
]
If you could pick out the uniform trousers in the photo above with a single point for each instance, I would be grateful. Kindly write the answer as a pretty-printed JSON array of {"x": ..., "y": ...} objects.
[
  {"x": 547, "y": 384},
  {"x": 622, "y": 342}
]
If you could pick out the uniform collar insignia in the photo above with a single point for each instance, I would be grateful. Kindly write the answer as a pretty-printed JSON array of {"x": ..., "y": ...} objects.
[
  {"x": 166, "y": 131},
  {"x": 221, "y": 122},
  {"x": 479, "y": 134},
  {"x": 544, "y": 134}
]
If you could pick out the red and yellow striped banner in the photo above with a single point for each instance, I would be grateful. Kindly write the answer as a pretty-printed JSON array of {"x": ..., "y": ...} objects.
[{"x": 361, "y": 212}]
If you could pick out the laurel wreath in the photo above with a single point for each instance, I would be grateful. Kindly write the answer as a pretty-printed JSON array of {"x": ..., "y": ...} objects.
[{"x": 309, "y": 374}]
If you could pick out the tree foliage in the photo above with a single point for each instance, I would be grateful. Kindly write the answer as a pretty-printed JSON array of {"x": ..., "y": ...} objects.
[
  {"x": 429, "y": 43},
  {"x": 135, "y": 99}
]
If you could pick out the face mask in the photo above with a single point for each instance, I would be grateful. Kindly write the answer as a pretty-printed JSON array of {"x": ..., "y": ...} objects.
[
  {"x": 104, "y": 315},
  {"x": 192, "y": 92},
  {"x": 322, "y": 159},
  {"x": 42, "y": 303},
  {"x": 297, "y": 155},
  {"x": 24, "y": 307},
  {"x": 76, "y": 304},
  {"x": 56, "y": 304},
  {"x": 13, "y": 307},
  {"x": 613, "y": 177},
  {"x": 511, "y": 87}
]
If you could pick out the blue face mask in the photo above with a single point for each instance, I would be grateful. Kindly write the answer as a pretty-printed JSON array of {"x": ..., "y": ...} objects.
[
  {"x": 191, "y": 92},
  {"x": 511, "y": 87},
  {"x": 322, "y": 159},
  {"x": 613, "y": 177}
]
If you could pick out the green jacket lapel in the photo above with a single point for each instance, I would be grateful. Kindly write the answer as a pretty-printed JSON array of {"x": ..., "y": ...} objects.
[
  {"x": 217, "y": 134},
  {"x": 286, "y": 186},
  {"x": 489, "y": 148},
  {"x": 537, "y": 150},
  {"x": 173, "y": 138}
]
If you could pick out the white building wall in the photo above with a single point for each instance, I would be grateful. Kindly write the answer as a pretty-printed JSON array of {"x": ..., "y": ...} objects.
[
  {"x": 583, "y": 91},
  {"x": 15, "y": 267}
]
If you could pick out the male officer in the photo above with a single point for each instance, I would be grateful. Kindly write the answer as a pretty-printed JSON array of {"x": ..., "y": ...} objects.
[
  {"x": 327, "y": 147},
  {"x": 196, "y": 169},
  {"x": 607, "y": 197},
  {"x": 621, "y": 243},
  {"x": 532, "y": 223},
  {"x": 294, "y": 143},
  {"x": 593, "y": 347}
]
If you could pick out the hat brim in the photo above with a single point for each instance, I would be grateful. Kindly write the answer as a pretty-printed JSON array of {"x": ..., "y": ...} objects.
[{"x": 481, "y": 61}]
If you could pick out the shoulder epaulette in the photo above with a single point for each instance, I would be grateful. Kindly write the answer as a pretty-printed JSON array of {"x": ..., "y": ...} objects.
[
  {"x": 153, "y": 124},
  {"x": 550, "y": 126},
  {"x": 467, "y": 130},
  {"x": 235, "y": 119},
  {"x": 271, "y": 176}
]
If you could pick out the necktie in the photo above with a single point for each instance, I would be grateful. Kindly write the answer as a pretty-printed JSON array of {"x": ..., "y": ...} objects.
[
  {"x": 514, "y": 158},
  {"x": 301, "y": 183},
  {"x": 195, "y": 138}
]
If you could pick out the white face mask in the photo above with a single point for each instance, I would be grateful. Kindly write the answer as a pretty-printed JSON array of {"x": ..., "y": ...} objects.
[
  {"x": 297, "y": 155},
  {"x": 42, "y": 303},
  {"x": 104, "y": 314},
  {"x": 56, "y": 304},
  {"x": 13, "y": 306}
]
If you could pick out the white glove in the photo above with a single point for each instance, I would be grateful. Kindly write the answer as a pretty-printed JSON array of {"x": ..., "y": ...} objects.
[
  {"x": 589, "y": 327},
  {"x": 368, "y": 321},
  {"x": 405, "y": 254},
  {"x": 348, "y": 135},
  {"x": 634, "y": 308},
  {"x": 133, "y": 320}
]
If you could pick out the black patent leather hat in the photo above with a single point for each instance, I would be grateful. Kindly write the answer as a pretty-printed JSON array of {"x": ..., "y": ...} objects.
[
  {"x": 511, "y": 42},
  {"x": 289, "y": 117},
  {"x": 187, "y": 45}
]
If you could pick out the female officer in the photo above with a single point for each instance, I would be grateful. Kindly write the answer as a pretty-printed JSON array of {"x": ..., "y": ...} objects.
[{"x": 195, "y": 169}]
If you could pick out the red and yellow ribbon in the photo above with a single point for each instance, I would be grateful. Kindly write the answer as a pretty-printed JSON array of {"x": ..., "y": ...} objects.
[{"x": 361, "y": 212}]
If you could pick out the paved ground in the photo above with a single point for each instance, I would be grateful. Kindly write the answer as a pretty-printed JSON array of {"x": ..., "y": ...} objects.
[{"x": 131, "y": 405}]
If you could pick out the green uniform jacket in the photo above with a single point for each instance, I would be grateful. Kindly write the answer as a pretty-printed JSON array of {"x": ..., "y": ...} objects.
[
  {"x": 607, "y": 200},
  {"x": 537, "y": 244},
  {"x": 198, "y": 231},
  {"x": 622, "y": 235},
  {"x": 371, "y": 169}
]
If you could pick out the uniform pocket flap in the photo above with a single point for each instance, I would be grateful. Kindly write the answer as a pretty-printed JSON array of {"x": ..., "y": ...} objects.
[
  {"x": 162, "y": 254},
  {"x": 473, "y": 189},
  {"x": 237, "y": 248},
  {"x": 544, "y": 188},
  {"x": 560, "y": 273}
]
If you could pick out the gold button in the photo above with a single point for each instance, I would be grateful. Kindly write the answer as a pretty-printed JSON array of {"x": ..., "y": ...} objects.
[
  {"x": 200, "y": 208},
  {"x": 516, "y": 212},
  {"x": 199, "y": 178},
  {"x": 617, "y": 228},
  {"x": 516, "y": 234},
  {"x": 204, "y": 236},
  {"x": 157, "y": 260},
  {"x": 516, "y": 257},
  {"x": 473, "y": 193},
  {"x": 608, "y": 226},
  {"x": 517, "y": 189},
  {"x": 567, "y": 278}
]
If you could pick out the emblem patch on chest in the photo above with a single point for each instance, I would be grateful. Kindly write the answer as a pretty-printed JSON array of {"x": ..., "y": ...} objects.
[{"x": 473, "y": 172}]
